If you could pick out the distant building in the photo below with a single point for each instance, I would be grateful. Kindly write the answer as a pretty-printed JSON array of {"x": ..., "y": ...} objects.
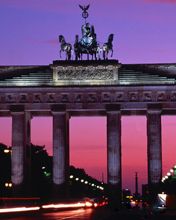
[
  {"x": 145, "y": 190},
  {"x": 136, "y": 194},
  {"x": 126, "y": 194}
]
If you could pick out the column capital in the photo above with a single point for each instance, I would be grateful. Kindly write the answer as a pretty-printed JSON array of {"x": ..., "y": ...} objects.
[
  {"x": 113, "y": 108},
  {"x": 58, "y": 107},
  {"x": 17, "y": 113},
  {"x": 59, "y": 112},
  {"x": 154, "y": 109},
  {"x": 17, "y": 109},
  {"x": 21, "y": 113}
]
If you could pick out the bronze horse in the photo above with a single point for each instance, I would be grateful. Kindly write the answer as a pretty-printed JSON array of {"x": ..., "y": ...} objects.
[
  {"x": 65, "y": 47},
  {"x": 77, "y": 50},
  {"x": 108, "y": 46}
]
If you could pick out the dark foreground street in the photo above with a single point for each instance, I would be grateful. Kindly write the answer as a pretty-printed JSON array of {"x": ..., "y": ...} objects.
[{"x": 98, "y": 214}]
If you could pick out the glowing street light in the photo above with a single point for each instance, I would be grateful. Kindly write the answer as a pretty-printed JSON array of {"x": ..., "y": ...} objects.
[
  {"x": 6, "y": 151},
  {"x": 86, "y": 182},
  {"x": 8, "y": 185}
]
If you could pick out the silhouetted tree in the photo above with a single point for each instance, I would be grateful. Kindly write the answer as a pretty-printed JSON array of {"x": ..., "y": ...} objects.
[{"x": 41, "y": 175}]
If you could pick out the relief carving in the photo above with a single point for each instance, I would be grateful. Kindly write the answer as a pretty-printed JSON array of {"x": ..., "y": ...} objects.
[
  {"x": 89, "y": 97},
  {"x": 119, "y": 97},
  {"x": 78, "y": 97},
  {"x": 92, "y": 97},
  {"x": 10, "y": 98},
  {"x": 86, "y": 73},
  {"x": 161, "y": 96},
  {"x": 64, "y": 98},
  {"x": 106, "y": 97},
  {"x": 37, "y": 98},
  {"x": 23, "y": 98},
  {"x": 147, "y": 96},
  {"x": 133, "y": 96},
  {"x": 50, "y": 97},
  {"x": 173, "y": 96}
]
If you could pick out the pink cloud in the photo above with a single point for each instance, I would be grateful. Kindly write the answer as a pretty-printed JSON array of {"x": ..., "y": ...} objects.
[
  {"x": 45, "y": 5},
  {"x": 162, "y": 1},
  {"x": 59, "y": 6},
  {"x": 52, "y": 42},
  {"x": 40, "y": 41}
]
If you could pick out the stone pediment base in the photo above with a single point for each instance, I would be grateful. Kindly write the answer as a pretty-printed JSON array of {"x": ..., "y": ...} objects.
[{"x": 72, "y": 73}]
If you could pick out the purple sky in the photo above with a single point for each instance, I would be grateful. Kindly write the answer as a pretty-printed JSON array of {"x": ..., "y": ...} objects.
[
  {"x": 144, "y": 29},
  {"x": 144, "y": 33}
]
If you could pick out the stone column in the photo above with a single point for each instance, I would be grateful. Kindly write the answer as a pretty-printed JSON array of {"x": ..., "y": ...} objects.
[
  {"x": 20, "y": 158},
  {"x": 114, "y": 157},
  {"x": 60, "y": 154},
  {"x": 154, "y": 151}
]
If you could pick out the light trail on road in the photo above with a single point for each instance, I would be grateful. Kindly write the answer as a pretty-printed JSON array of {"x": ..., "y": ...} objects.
[
  {"x": 79, "y": 214},
  {"x": 84, "y": 214}
]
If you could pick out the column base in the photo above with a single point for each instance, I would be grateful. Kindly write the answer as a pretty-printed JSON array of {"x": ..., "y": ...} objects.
[
  {"x": 60, "y": 192},
  {"x": 154, "y": 189},
  {"x": 20, "y": 190},
  {"x": 115, "y": 196}
]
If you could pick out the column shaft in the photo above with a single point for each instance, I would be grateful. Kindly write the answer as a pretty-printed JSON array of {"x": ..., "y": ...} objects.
[
  {"x": 20, "y": 159},
  {"x": 154, "y": 147},
  {"x": 60, "y": 154},
  {"x": 114, "y": 156},
  {"x": 154, "y": 152}
]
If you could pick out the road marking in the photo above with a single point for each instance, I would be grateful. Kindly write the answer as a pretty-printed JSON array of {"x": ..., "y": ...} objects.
[
  {"x": 83, "y": 213},
  {"x": 71, "y": 216}
]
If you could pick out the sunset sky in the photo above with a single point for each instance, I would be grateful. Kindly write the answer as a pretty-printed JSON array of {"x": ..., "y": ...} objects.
[{"x": 144, "y": 32}]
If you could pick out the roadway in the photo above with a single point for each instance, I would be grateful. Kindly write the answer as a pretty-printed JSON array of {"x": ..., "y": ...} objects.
[
  {"x": 102, "y": 213},
  {"x": 81, "y": 214}
]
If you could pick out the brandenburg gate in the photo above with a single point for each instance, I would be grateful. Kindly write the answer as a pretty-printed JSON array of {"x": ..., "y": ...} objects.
[{"x": 86, "y": 88}]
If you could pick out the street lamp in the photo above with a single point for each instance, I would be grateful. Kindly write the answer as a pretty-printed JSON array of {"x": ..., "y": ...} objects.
[
  {"x": 6, "y": 151},
  {"x": 8, "y": 185},
  {"x": 171, "y": 170}
]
